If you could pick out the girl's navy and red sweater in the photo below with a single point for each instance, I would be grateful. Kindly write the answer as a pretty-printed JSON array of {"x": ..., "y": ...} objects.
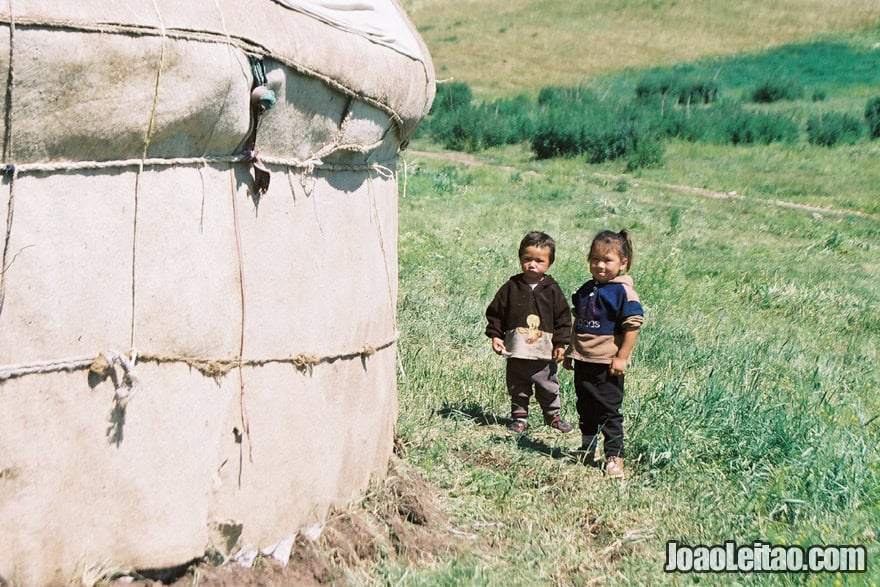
[{"x": 602, "y": 312}]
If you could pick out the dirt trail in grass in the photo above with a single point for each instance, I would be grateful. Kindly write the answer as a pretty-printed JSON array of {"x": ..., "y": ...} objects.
[{"x": 468, "y": 159}]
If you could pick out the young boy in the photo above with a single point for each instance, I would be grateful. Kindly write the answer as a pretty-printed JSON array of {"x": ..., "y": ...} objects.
[{"x": 530, "y": 324}]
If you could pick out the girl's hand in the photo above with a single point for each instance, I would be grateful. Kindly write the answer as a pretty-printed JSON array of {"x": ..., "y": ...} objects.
[
  {"x": 618, "y": 366},
  {"x": 498, "y": 346}
]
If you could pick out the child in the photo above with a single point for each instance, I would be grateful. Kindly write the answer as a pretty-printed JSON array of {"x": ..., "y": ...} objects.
[
  {"x": 529, "y": 323},
  {"x": 608, "y": 316}
]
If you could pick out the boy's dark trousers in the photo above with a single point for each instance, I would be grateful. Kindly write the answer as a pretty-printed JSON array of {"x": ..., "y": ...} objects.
[
  {"x": 522, "y": 375},
  {"x": 599, "y": 396}
]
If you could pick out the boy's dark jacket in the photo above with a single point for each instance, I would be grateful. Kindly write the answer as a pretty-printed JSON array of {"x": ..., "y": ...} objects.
[{"x": 516, "y": 300}]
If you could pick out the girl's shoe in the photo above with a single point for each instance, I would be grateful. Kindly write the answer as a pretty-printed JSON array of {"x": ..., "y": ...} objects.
[
  {"x": 614, "y": 468},
  {"x": 517, "y": 426}
]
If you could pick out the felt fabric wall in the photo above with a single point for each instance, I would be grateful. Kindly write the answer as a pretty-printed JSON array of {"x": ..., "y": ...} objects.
[{"x": 183, "y": 349}]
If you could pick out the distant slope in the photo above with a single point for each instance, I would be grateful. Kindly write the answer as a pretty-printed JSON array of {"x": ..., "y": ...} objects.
[{"x": 502, "y": 47}]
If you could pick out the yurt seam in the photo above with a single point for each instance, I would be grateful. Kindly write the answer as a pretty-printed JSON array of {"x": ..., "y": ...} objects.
[
  {"x": 303, "y": 362},
  {"x": 375, "y": 210},
  {"x": 229, "y": 45}
]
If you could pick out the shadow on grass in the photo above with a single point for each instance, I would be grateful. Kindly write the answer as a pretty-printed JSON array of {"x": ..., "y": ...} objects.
[
  {"x": 526, "y": 443},
  {"x": 473, "y": 412},
  {"x": 476, "y": 414}
]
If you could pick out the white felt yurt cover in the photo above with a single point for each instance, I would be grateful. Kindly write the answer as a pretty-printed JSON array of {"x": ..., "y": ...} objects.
[{"x": 199, "y": 272}]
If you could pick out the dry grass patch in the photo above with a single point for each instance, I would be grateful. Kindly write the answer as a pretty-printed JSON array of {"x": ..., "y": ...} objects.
[{"x": 521, "y": 45}]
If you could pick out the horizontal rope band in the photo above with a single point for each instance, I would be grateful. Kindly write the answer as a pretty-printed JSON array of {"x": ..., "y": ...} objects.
[
  {"x": 210, "y": 367},
  {"x": 311, "y": 164}
]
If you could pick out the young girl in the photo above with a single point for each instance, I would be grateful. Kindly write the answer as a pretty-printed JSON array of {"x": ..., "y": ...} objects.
[{"x": 607, "y": 317}]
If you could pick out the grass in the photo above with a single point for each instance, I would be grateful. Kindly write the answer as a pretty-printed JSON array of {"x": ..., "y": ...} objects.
[{"x": 752, "y": 408}]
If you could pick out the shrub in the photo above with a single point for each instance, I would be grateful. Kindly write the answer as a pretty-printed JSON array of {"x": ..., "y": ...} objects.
[
  {"x": 656, "y": 86},
  {"x": 685, "y": 90},
  {"x": 559, "y": 132},
  {"x": 774, "y": 90},
  {"x": 565, "y": 97},
  {"x": 474, "y": 127},
  {"x": 698, "y": 92},
  {"x": 872, "y": 117},
  {"x": 749, "y": 128},
  {"x": 601, "y": 132},
  {"x": 647, "y": 150},
  {"x": 833, "y": 128},
  {"x": 451, "y": 96}
]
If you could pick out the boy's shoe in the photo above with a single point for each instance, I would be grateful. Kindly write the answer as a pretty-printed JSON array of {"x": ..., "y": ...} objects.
[
  {"x": 517, "y": 426},
  {"x": 558, "y": 423},
  {"x": 614, "y": 468}
]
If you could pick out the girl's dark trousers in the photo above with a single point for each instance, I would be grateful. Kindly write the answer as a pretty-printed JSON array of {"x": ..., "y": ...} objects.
[{"x": 599, "y": 396}]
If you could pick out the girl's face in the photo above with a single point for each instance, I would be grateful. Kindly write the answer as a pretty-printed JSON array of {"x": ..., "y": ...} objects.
[{"x": 606, "y": 263}]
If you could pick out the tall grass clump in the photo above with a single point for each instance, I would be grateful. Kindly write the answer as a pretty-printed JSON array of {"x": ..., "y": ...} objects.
[
  {"x": 872, "y": 117},
  {"x": 775, "y": 90},
  {"x": 725, "y": 123},
  {"x": 681, "y": 89},
  {"x": 458, "y": 123},
  {"x": 742, "y": 127},
  {"x": 452, "y": 96},
  {"x": 573, "y": 123},
  {"x": 832, "y": 128}
]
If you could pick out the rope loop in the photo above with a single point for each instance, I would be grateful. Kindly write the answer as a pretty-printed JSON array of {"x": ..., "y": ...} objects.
[{"x": 103, "y": 366}]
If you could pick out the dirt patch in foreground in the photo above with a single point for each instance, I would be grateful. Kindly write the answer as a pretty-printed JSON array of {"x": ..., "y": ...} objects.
[{"x": 399, "y": 520}]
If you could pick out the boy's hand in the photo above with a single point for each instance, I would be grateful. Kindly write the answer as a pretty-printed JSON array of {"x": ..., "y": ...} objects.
[
  {"x": 618, "y": 366},
  {"x": 566, "y": 364},
  {"x": 498, "y": 346},
  {"x": 559, "y": 354}
]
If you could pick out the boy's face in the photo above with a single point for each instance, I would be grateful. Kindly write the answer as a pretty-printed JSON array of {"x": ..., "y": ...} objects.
[{"x": 535, "y": 262}]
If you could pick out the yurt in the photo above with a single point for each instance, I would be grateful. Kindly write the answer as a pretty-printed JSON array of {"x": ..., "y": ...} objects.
[{"x": 199, "y": 272}]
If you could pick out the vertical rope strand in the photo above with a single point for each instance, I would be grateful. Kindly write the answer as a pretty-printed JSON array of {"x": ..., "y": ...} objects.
[
  {"x": 8, "y": 153},
  {"x": 137, "y": 184},
  {"x": 155, "y": 105},
  {"x": 134, "y": 240},
  {"x": 245, "y": 424},
  {"x": 8, "y": 157}
]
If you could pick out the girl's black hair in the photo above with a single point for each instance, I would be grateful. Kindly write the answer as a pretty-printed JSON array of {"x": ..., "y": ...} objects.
[
  {"x": 619, "y": 240},
  {"x": 538, "y": 239}
]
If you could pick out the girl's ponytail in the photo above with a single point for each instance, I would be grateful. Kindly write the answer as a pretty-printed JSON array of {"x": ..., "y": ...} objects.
[{"x": 626, "y": 248}]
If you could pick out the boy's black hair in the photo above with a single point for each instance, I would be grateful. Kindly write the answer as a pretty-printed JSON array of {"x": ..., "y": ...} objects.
[
  {"x": 538, "y": 239},
  {"x": 618, "y": 240}
]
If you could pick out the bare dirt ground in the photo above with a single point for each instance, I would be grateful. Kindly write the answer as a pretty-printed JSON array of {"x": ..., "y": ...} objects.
[{"x": 400, "y": 520}]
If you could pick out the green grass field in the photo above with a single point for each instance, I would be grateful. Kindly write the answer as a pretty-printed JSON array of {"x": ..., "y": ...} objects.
[{"x": 752, "y": 409}]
